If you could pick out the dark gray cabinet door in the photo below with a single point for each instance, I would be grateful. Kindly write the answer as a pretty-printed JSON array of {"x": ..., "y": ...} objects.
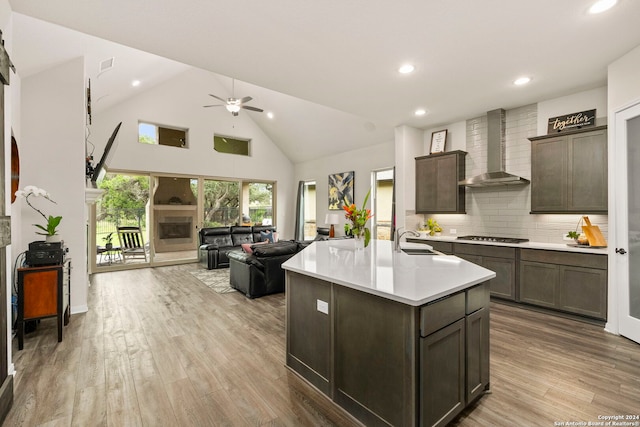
[
  {"x": 504, "y": 284},
  {"x": 477, "y": 333},
  {"x": 538, "y": 283},
  {"x": 442, "y": 375},
  {"x": 587, "y": 182},
  {"x": 437, "y": 189},
  {"x": 549, "y": 164},
  {"x": 447, "y": 184},
  {"x": 426, "y": 179},
  {"x": 583, "y": 291}
]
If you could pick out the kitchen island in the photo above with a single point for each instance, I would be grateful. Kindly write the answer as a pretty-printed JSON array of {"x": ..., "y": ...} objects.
[{"x": 393, "y": 338}]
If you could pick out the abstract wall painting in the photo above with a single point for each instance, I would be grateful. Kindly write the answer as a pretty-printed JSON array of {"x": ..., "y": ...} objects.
[{"x": 340, "y": 190}]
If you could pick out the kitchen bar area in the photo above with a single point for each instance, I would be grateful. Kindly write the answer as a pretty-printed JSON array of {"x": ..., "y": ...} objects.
[{"x": 395, "y": 337}]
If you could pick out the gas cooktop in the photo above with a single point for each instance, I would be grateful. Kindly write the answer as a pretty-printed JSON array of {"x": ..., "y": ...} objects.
[{"x": 493, "y": 239}]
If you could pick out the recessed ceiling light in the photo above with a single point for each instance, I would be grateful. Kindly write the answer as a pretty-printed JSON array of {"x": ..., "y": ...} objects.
[
  {"x": 521, "y": 81},
  {"x": 602, "y": 5},
  {"x": 270, "y": 115},
  {"x": 135, "y": 83},
  {"x": 420, "y": 112},
  {"x": 406, "y": 69}
]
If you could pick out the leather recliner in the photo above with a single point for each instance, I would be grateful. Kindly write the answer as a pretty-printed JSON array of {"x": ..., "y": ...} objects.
[{"x": 261, "y": 273}]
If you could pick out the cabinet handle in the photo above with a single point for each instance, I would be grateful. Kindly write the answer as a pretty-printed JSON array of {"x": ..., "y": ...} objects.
[{"x": 620, "y": 251}]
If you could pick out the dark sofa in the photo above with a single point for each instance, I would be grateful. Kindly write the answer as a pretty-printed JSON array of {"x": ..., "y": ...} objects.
[
  {"x": 261, "y": 273},
  {"x": 217, "y": 242}
]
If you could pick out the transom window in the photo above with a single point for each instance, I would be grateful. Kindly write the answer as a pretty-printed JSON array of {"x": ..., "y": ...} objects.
[
  {"x": 149, "y": 133},
  {"x": 231, "y": 145}
]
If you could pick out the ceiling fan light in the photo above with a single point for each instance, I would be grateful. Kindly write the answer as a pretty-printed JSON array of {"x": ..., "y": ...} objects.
[
  {"x": 232, "y": 108},
  {"x": 406, "y": 69}
]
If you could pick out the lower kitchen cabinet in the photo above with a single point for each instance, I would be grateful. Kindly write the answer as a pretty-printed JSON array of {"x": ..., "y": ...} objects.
[
  {"x": 500, "y": 259},
  {"x": 572, "y": 282},
  {"x": 442, "y": 375},
  {"x": 477, "y": 347}
]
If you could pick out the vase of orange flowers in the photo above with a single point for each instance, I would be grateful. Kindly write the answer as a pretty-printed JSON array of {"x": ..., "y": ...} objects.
[{"x": 357, "y": 225}]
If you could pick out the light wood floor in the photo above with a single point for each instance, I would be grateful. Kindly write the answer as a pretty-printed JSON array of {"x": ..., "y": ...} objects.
[{"x": 159, "y": 348}]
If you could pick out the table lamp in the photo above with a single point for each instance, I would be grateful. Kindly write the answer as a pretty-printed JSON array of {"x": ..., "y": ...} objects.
[{"x": 332, "y": 218}]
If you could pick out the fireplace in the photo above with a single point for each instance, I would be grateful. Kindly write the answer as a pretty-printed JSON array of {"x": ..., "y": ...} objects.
[{"x": 175, "y": 228}]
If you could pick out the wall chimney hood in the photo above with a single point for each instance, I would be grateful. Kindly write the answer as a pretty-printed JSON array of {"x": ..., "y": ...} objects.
[{"x": 496, "y": 175}]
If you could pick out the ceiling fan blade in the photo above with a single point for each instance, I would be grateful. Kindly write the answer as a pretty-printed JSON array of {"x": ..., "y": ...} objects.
[
  {"x": 248, "y": 107},
  {"x": 217, "y": 97},
  {"x": 245, "y": 99},
  {"x": 217, "y": 105}
]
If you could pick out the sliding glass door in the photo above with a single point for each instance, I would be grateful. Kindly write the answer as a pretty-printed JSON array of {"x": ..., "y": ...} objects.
[{"x": 125, "y": 203}]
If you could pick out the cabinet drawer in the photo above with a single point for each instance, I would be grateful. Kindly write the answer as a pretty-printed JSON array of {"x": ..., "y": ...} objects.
[
  {"x": 485, "y": 250},
  {"x": 442, "y": 313},
  {"x": 565, "y": 258},
  {"x": 444, "y": 247},
  {"x": 477, "y": 298}
]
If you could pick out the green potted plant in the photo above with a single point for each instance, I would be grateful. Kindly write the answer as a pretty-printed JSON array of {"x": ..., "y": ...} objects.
[
  {"x": 433, "y": 227},
  {"x": 108, "y": 240}
]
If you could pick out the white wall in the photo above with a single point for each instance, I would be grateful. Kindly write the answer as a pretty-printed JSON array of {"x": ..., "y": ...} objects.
[
  {"x": 408, "y": 146},
  {"x": 362, "y": 162},
  {"x": 581, "y": 101},
  {"x": 52, "y": 157},
  {"x": 178, "y": 102}
]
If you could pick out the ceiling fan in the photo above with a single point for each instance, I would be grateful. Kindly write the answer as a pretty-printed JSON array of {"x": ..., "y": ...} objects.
[{"x": 233, "y": 105}]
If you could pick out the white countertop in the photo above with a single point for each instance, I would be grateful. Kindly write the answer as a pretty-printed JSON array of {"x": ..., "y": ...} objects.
[
  {"x": 526, "y": 245},
  {"x": 379, "y": 270}
]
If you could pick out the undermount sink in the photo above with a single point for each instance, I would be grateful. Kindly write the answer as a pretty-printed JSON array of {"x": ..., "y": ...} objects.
[
  {"x": 416, "y": 251},
  {"x": 411, "y": 248}
]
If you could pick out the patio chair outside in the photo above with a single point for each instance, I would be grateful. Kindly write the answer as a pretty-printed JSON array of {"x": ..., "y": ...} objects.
[{"x": 132, "y": 243}]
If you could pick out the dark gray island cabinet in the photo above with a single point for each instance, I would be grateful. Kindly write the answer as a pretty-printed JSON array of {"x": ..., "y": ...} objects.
[{"x": 386, "y": 360}]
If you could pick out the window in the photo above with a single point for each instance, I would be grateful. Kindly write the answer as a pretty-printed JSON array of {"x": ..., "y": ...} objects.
[
  {"x": 149, "y": 133},
  {"x": 257, "y": 203},
  {"x": 231, "y": 145},
  {"x": 309, "y": 206},
  {"x": 221, "y": 203}
]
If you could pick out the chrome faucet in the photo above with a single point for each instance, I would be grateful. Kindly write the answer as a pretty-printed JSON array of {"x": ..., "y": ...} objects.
[{"x": 399, "y": 235}]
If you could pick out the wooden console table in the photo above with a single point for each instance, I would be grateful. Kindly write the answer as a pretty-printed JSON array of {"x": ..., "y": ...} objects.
[{"x": 43, "y": 292}]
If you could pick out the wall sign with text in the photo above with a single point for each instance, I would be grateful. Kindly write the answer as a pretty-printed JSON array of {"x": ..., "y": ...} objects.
[{"x": 572, "y": 121}]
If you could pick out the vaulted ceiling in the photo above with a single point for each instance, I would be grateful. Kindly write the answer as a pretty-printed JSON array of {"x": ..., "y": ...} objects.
[{"x": 328, "y": 70}]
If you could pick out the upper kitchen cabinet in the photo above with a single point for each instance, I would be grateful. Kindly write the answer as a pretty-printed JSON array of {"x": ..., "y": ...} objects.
[
  {"x": 569, "y": 172},
  {"x": 437, "y": 189}
]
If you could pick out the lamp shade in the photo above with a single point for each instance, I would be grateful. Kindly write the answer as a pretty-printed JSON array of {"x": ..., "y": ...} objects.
[{"x": 332, "y": 218}]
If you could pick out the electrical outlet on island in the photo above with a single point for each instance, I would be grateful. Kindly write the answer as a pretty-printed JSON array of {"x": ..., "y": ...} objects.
[{"x": 453, "y": 231}]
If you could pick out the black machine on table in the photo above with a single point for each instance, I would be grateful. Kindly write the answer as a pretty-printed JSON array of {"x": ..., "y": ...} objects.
[{"x": 45, "y": 253}]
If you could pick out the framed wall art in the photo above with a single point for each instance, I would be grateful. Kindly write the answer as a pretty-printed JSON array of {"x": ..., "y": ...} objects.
[
  {"x": 438, "y": 141},
  {"x": 340, "y": 190}
]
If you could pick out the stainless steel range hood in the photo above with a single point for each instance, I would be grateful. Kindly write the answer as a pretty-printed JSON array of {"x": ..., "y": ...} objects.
[{"x": 496, "y": 175}]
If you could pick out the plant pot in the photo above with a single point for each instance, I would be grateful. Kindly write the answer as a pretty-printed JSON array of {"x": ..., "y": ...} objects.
[
  {"x": 108, "y": 246},
  {"x": 52, "y": 238}
]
